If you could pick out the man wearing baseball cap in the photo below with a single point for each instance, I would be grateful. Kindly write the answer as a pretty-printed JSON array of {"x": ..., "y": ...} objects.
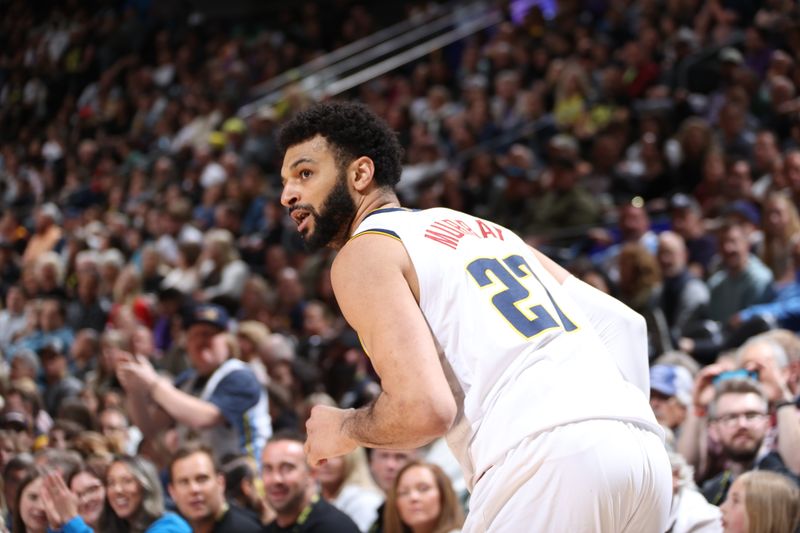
[
  {"x": 218, "y": 401},
  {"x": 670, "y": 394}
]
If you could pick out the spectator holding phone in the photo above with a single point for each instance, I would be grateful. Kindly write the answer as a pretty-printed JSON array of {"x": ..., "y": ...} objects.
[{"x": 769, "y": 361}]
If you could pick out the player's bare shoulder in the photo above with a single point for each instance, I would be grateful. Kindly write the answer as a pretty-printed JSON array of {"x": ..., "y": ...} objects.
[{"x": 370, "y": 258}]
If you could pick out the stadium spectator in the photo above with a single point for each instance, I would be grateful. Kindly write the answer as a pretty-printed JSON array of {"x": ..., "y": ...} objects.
[
  {"x": 346, "y": 483},
  {"x": 198, "y": 490},
  {"x": 762, "y": 501},
  {"x": 384, "y": 465},
  {"x": 683, "y": 296},
  {"x": 739, "y": 421},
  {"x": 690, "y": 511},
  {"x": 88, "y": 486},
  {"x": 291, "y": 490},
  {"x": 218, "y": 399},
  {"x": 670, "y": 395},
  {"x": 59, "y": 384},
  {"x": 422, "y": 499}
]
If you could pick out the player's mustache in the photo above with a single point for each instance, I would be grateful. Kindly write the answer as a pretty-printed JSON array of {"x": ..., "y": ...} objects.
[{"x": 304, "y": 207}]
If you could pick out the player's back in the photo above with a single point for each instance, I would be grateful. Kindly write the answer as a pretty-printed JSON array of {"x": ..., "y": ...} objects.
[{"x": 524, "y": 356}]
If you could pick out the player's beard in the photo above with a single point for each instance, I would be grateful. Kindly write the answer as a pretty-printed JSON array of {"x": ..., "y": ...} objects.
[{"x": 333, "y": 219}]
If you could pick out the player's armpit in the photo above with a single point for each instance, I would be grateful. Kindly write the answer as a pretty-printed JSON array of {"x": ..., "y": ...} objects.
[
  {"x": 369, "y": 279},
  {"x": 557, "y": 271}
]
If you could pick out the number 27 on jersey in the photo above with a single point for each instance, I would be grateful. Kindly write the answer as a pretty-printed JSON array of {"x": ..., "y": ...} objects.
[{"x": 518, "y": 278}]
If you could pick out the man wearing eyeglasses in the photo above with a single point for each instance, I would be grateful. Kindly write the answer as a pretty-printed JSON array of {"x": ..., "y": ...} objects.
[{"x": 739, "y": 420}]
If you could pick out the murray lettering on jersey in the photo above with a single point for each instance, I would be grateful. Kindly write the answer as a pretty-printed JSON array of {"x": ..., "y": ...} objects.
[{"x": 450, "y": 231}]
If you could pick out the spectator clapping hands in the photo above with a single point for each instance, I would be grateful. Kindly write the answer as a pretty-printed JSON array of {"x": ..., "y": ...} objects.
[{"x": 60, "y": 504}]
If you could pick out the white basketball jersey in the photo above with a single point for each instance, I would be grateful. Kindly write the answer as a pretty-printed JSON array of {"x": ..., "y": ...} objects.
[{"x": 521, "y": 356}]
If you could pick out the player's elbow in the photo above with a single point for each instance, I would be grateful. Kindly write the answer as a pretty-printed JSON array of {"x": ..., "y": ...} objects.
[{"x": 439, "y": 415}]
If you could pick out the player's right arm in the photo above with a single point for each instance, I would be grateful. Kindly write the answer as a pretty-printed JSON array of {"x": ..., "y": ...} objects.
[
  {"x": 622, "y": 330},
  {"x": 369, "y": 278}
]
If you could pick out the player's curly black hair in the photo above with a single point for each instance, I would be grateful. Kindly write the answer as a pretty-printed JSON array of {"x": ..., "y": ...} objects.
[{"x": 352, "y": 131}]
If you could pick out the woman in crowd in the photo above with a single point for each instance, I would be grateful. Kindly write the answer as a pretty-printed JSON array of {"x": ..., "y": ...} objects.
[
  {"x": 223, "y": 274},
  {"x": 347, "y": 484},
  {"x": 29, "y": 513},
  {"x": 422, "y": 500},
  {"x": 761, "y": 502},
  {"x": 640, "y": 288},
  {"x": 9, "y": 446},
  {"x": 135, "y": 501},
  {"x": 185, "y": 276},
  {"x": 104, "y": 377},
  {"x": 87, "y": 485}
]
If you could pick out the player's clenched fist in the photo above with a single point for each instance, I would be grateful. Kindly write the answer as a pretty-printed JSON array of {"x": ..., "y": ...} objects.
[{"x": 326, "y": 437}]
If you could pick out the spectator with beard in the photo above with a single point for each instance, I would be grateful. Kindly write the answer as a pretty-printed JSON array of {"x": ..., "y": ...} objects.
[
  {"x": 290, "y": 484},
  {"x": 739, "y": 423}
]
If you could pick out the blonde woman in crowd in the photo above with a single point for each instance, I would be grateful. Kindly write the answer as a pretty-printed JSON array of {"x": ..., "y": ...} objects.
[
  {"x": 130, "y": 306},
  {"x": 104, "y": 377},
  {"x": 222, "y": 273},
  {"x": 761, "y": 502},
  {"x": 347, "y": 484},
  {"x": 422, "y": 500},
  {"x": 185, "y": 275}
]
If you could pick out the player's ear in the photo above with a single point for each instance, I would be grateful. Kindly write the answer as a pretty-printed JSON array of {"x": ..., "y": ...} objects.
[{"x": 362, "y": 172}]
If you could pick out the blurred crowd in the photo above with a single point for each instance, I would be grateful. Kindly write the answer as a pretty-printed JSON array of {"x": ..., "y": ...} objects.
[{"x": 164, "y": 333}]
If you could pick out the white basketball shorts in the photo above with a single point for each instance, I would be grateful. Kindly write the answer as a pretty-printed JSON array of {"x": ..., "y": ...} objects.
[{"x": 592, "y": 476}]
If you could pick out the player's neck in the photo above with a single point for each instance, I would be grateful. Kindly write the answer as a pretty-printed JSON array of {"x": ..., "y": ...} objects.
[{"x": 378, "y": 200}]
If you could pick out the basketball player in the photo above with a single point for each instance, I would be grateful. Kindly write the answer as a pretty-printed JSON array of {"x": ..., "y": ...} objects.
[{"x": 539, "y": 381}]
